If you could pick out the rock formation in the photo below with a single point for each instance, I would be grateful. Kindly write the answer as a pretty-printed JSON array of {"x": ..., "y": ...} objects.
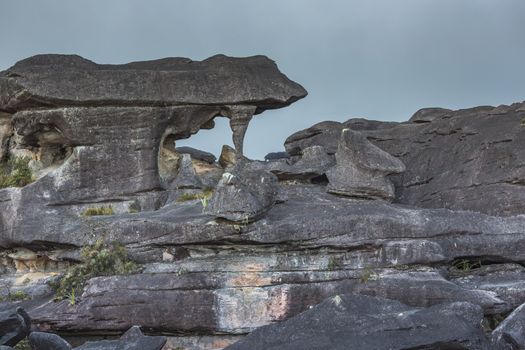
[
  {"x": 207, "y": 251},
  {"x": 361, "y": 168}
]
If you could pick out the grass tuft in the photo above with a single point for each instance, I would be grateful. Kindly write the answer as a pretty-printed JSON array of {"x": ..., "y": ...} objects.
[{"x": 204, "y": 195}]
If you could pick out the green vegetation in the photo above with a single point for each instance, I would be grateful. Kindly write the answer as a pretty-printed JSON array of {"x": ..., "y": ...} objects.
[
  {"x": 523, "y": 122},
  {"x": 94, "y": 211},
  {"x": 333, "y": 263},
  {"x": 204, "y": 195},
  {"x": 23, "y": 345},
  {"x": 16, "y": 173},
  {"x": 100, "y": 259},
  {"x": 367, "y": 275},
  {"x": 133, "y": 208},
  {"x": 18, "y": 295},
  {"x": 465, "y": 265}
]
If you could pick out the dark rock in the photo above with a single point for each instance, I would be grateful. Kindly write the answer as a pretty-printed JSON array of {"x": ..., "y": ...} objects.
[
  {"x": 510, "y": 334},
  {"x": 2, "y": 347},
  {"x": 361, "y": 168},
  {"x": 69, "y": 80},
  {"x": 133, "y": 339},
  {"x": 197, "y": 154},
  {"x": 243, "y": 195},
  {"x": 312, "y": 164},
  {"x": 276, "y": 155},
  {"x": 47, "y": 341},
  {"x": 506, "y": 280},
  {"x": 15, "y": 325},
  {"x": 427, "y": 115},
  {"x": 360, "y": 322}
]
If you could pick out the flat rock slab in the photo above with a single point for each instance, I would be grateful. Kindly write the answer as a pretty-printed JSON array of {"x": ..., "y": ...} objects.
[{"x": 70, "y": 80}]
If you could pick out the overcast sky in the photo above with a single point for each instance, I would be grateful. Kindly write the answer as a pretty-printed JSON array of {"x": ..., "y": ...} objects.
[{"x": 380, "y": 59}]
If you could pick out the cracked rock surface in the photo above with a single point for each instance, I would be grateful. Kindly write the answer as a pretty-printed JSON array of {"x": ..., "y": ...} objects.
[{"x": 225, "y": 247}]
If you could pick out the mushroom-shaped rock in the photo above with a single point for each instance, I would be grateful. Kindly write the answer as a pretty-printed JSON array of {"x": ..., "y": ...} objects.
[
  {"x": 239, "y": 87},
  {"x": 243, "y": 195},
  {"x": 47, "y": 341},
  {"x": 361, "y": 168},
  {"x": 14, "y": 326}
]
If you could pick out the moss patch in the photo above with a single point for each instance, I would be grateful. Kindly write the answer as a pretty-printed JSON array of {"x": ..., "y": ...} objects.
[
  {"x": 204, "y": 195},
  {"x": 95, "y": 211},
  {"x": 100, "y": 259}
]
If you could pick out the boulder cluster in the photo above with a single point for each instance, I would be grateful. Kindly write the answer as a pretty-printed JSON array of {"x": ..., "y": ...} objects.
[{"x": 359, "y": 235}]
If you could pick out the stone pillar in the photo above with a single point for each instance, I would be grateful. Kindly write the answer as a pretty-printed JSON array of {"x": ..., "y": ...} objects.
[{"x": 240, "y": 117}]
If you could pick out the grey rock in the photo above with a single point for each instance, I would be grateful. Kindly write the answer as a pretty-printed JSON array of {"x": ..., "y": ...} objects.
[
  {"x": 507, "y": 280},
  {"x": 2, "y": 347},
  {"x": 360, "y": 322},
  {"x": 276, "y": 155},
  {"x": 427, "y": 115},
  {"x": 310, "y": 166},
  {"x": 470, "y": 160},
  {"x": 361, "y": 168},
  {"x": 197, "y": 154},
  {"x": 47, "y": 341},
  {"x": 15, "y": 325},
  {"x": 70, "y": 80},
  {"x": 133, "y": 339},
  {"x": 243, "y": 195},
  {"x": 228, "y": 157},
  {"x": 186, "y": 177},
  {"x": 510, "y": 334}
]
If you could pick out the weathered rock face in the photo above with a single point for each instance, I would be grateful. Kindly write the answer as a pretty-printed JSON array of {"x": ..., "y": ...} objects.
[
  {"x": 359, "y": 322},
  {"x": 362, "y": 168},
  {"x": 469, "y": 159},
  {"x": 271, "y": 242}
]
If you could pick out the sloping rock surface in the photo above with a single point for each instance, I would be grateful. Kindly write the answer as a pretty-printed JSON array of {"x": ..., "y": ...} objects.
[{"x": 349, "y": 322}]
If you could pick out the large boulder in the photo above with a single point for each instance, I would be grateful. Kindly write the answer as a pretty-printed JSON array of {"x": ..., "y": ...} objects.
[
  {"x": 359, "y": 322},
  {"x": 361, "y": 168},
  {"x": 15, "y": 325},
  {"x": 243, "y": 195}
]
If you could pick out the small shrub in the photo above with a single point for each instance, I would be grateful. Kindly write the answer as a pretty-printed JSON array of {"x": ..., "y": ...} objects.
[
  {"x": 95, "y": 211},
  {"x": 16, "y": 173},
  {"x": 523, "y": 122},
  {"x": 465, "y": 265},
  {"x": 333, "y": 263},
  {"x": 367, "y": 275},
  {"x": 204, "y": 195},
  {"x": 23, "y": 345},
  {"x": 100, "y": 259},
  {"x": 18, "y": 295}
]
